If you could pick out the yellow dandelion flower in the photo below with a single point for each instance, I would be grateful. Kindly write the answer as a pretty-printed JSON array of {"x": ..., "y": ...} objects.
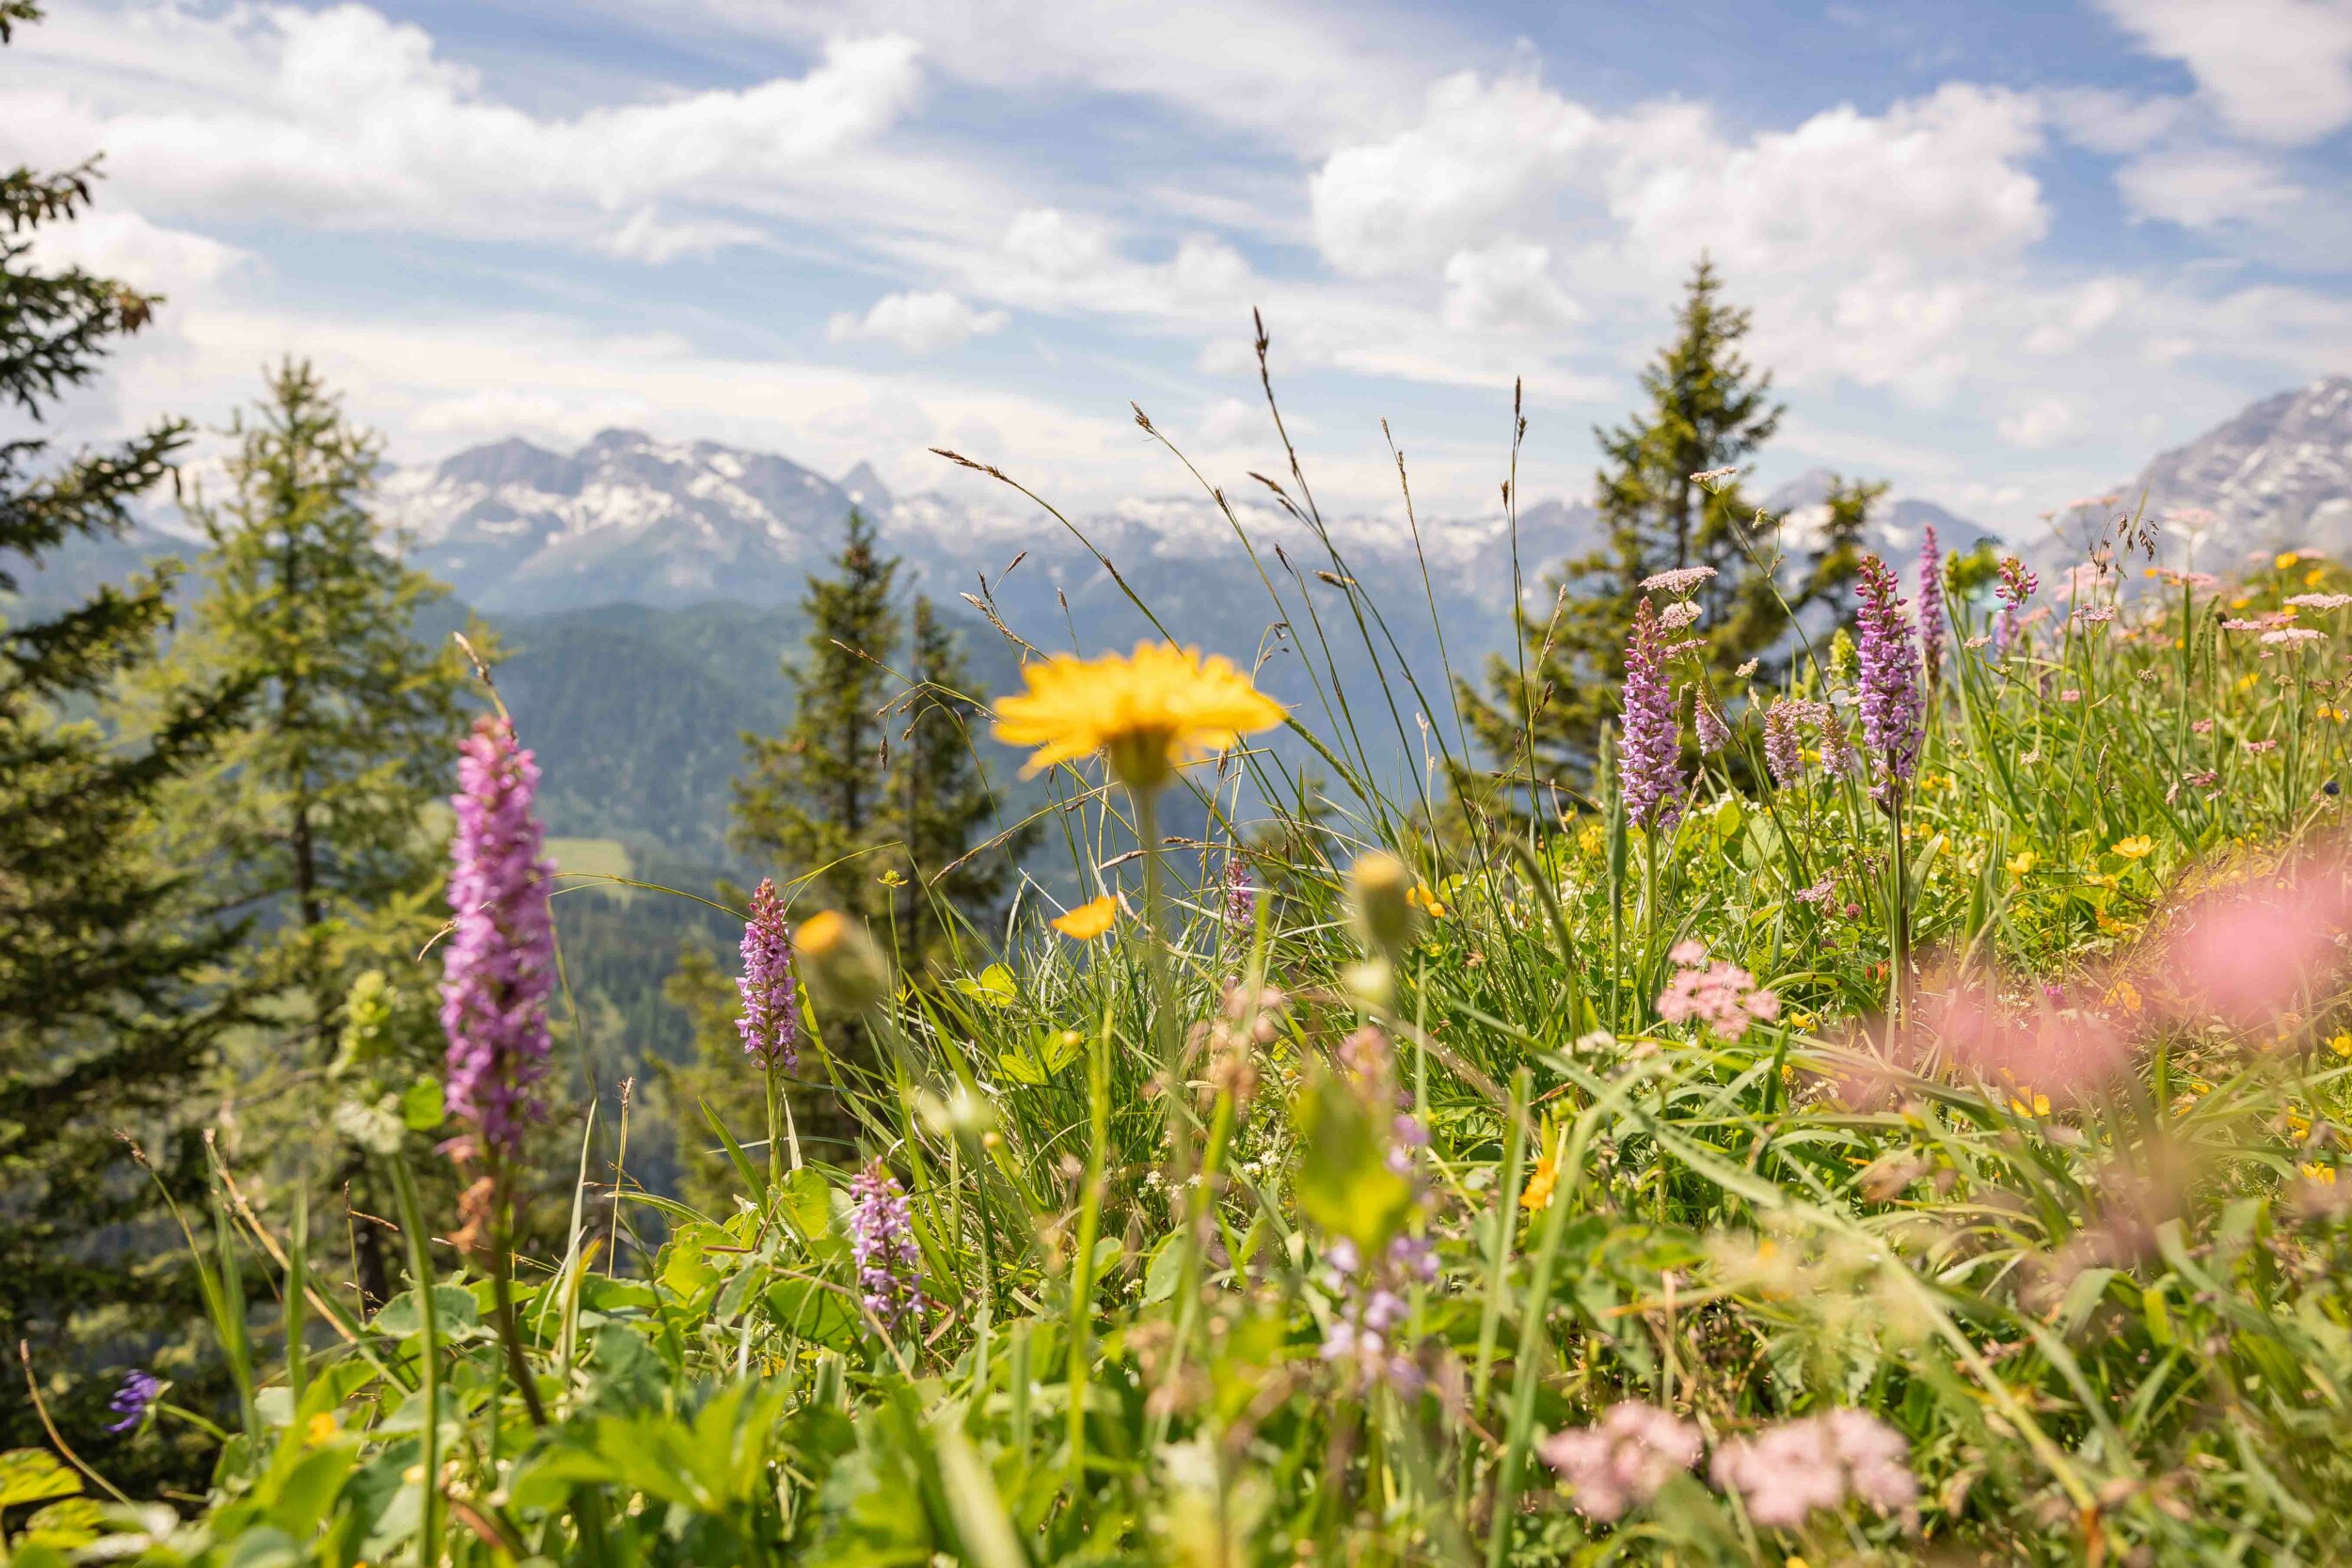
[
  {"x": 2241, "y": 601},
  {"x": 1088, "y": 921},
  {"x": 2317, "y": 576},
  {"x": 1540, "y": 1186},
  {"x": 2323, "y": 1174},
  {"x": 1146, "y": 713},
  {"x": 2287, "y": 559},
  {"x": 2022, "y": 862},
  {"x": 2135, "y": 848},
  {"x": 2341, "y": 1045},
  {"x": 2039, "y": 1105},
  {"x": 2247, "y": 681}
]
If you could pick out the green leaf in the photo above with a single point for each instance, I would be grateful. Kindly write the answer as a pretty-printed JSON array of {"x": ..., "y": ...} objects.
[
  {"x": 421, "y": 1108},
  {"x": 74, "y": 1522},
  {"x": 807, "y": 1204},
  {"x": 822, "y": 1316},
  {"x": 1343, "y": 1183},
  {"x": 1016, "y": 1067},
  {"x": 453, "y": 1307},
  {"x": 994, "y": 985},
  {"x": 31, "y": 1475}
]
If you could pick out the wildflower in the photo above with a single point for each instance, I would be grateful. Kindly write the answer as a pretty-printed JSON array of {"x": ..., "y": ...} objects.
[
  {"x": 1088, "y": 920},
  {"x": 2135, "y": 848},
  {"x": 1623, "y": 1459},
  {"x": 770, "y": 1024},
  {"x": 131, "y": 1401},
  {"x": 1721, "y": 996},
  {"x": 1380, "y": 896},
  {"x": 2256, "y": 747},
  {"x": 1893, "y": 713},
  {"x": 840, "y": 963},
  {"x": 1708, "y": 478},
  {"x": 1932, "y": 606},
  {"x": 2016, "y": 585},
  {"x": 2072, "y": 694},
  {"x": 2323, "y": 1174},
  {"x": 1146, "y": 713},
  {"x": 501, "y": 968},
  {"x": 1785, "y": 1472},
  {"x": 1747, "y": 669},
  {"x": 1707, "y": 721},
  {"x": 2287, "y": 559},
  {"x": 1820, "y": 893},
  {"x": 1782, "y": 756},
  {"x": 881, "y": 1240},
  {"x": 2341, "y": 1045},
  {"x": 2293, "y": 636},
  {"x": 1649, "y": 745},
  {"x": 1542, "y": 1184},
  {"x": 2098, "y": 614},
  {"x": 1680, "y": 613},
  {"x": 2020, "y": 863},
  {"x": 1427, "y": 902},
  {"x": 2320, "y": 601},
  {"x": 1240, "y": 896},
  {"x": 1679, "y": 580},
  {"x": 2246, "y": 954},
  {"x": 1978, "y": 642}
]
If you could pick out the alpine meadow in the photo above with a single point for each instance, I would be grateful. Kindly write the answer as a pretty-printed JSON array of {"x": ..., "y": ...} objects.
[{"x": 648, "y": 1006}]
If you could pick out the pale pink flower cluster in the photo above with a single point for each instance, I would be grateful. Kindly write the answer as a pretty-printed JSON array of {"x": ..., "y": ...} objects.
[
  {"x": 2290, "y": 636},
  {"x": 2270, "y": 621},
  {"x": 1720, "y": 994},
  {"x": 1785, "y": 1472},
  {"x": 1681, "y": 580},
  {"x": 1680, "y": 613},
  {"x": 1622, "y": 1459},
  {"x": 2320, "y": 601}
]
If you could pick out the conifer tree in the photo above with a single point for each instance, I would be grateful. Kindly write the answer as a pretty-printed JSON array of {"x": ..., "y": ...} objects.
[
  {"x": 317, "y": 817},
  {"x": 818, "y": 796},
  {"x": 941, "y": 800},
  {"x": 106, "y": 1018},
  {"x": 1708, "y": 412}
]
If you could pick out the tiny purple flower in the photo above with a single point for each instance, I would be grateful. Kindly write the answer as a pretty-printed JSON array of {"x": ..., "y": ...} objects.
[
  {"x": 131, "y": 1401},
  {"x": 882, "y": 1240},
  {"x": 770, "y": 1024},
  {"x": 1707, "y": 720},
  {"x": 1649, "y": 743},
  {"x": 501, "y": 956}
]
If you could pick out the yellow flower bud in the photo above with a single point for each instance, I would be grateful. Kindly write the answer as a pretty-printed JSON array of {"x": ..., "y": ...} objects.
[{"x": 1381, "y": 892}]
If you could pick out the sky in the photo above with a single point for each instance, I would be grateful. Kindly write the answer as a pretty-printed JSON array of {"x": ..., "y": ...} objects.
[{"x": 1998, "y": 253}]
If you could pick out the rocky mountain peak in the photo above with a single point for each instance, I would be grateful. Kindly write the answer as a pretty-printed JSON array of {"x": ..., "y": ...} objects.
[{"x": 2276, "y": 475}]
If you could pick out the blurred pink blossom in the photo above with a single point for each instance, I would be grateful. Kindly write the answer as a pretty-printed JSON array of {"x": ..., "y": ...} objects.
[
  {"x": 1622, "y": 1459},
  {"x": 2247, "y": 953},
  {"x": 1785, "y": 1472}
]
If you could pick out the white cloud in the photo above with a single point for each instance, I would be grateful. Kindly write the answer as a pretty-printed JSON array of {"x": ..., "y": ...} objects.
[
  {"x": 2280, "y": 71},
  {"x": 344, "y": 117},
  {"x": 918, "y": 323},
  {"x": 2198, "y": 186},
  {"x": 1504, "y": 288},
  {"x": 2042, "y": 422},
  {"x": 1479, "y": 149},
  {"x": 126, "y": 247}
]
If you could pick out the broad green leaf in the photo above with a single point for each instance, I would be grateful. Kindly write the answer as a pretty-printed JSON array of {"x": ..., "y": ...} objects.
[
  {"x": 31, "y": 1475},
  {"x": 1343, "y": 1183},
  {"x": 994, "y": 985},
  {"x": 421, "y": 1108}
]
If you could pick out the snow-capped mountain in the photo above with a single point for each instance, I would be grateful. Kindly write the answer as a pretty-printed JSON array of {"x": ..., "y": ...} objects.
[
  {"x": 2277, "y": 476},
  {"x": 630, "y": 518},
  {"x": 1896, "y": 530}
]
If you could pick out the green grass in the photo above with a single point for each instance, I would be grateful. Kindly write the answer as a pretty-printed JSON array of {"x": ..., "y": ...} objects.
[
  {"x": 588, "y": 859},
  {"x": 2105, "y": 1314}
]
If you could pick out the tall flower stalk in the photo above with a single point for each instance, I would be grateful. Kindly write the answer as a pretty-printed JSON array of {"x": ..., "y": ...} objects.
[
  {"x": 1894, "y": 732},
  {"x": 1932, "y": 626},
  {"x": 771, "y": 1021},
  {"x": 499, "y": 975}
]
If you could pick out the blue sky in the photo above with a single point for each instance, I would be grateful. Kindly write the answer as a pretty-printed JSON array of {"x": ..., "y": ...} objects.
[{"x": 1998, "y": 253}]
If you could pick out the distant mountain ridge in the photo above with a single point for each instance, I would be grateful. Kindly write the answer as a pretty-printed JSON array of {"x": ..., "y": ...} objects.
[{"x": 2278, "y": 475}]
